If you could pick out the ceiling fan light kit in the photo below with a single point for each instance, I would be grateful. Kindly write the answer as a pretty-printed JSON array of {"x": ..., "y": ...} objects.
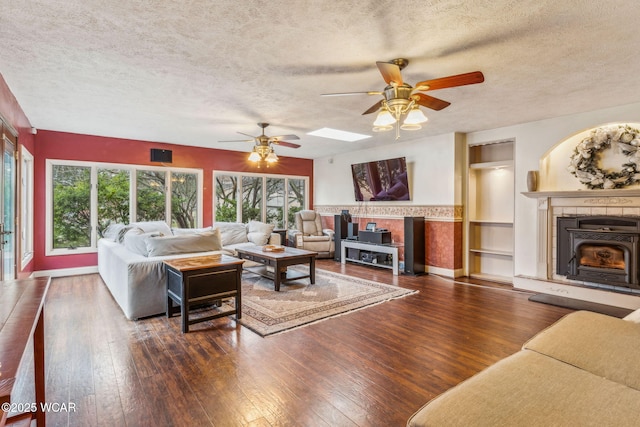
[
  {"x": 401, "y": 99},
  {"x": 263, "y": 149}
]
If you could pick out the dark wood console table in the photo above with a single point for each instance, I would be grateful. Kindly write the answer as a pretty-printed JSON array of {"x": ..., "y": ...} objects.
[
  {"x": 202, "y": 279},
  {"x": 22, "y": 318}
]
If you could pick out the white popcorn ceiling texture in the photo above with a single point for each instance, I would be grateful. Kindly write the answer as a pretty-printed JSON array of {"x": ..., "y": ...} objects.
[{"x": 195, "y": 72}]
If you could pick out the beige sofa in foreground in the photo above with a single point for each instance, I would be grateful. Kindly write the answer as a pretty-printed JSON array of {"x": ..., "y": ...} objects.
[{"x": 584, "y": 370}]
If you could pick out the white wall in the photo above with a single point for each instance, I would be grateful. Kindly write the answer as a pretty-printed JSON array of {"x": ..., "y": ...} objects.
[
  {"x": 532, "y": 142},
  {"x": 432, "y": 168},
  {"x": 430, "y": 163}
]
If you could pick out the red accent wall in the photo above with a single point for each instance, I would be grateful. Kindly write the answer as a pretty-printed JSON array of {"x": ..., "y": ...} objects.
[
  {"x": 69, "y": 146},
  {"x": 443, "y": 239},
  {"x": 444, "y": 244},
  {"x": 13, "y": 113}
]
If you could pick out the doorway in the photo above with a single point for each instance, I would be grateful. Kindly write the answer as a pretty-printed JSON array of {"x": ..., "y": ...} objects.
[{"x": 8, "y": 241}]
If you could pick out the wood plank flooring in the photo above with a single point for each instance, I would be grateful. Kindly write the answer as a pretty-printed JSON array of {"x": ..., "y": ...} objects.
[{"x": 372, "y": 367}]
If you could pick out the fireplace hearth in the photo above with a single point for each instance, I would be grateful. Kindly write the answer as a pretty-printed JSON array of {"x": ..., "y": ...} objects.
[{"x": 599, "y": 249}]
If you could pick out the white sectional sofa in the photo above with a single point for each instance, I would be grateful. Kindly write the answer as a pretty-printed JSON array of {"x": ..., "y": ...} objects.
[{"x": 130, "y": 257}]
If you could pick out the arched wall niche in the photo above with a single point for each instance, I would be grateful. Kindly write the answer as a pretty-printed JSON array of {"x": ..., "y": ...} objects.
[{"x": 554, "y": 174}]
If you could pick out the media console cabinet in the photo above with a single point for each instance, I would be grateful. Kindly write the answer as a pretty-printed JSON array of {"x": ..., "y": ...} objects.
[{"x": 367, "y": 254}]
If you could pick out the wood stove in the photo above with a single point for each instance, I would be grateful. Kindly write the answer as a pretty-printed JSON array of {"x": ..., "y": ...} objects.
[{"x": 599, "y": 249}]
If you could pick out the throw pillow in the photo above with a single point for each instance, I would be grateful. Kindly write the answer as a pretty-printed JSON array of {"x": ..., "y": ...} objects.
[
  {"x": 149, "y": 226},
  {"x": 232, "y": 232},
  {"x": 181, "y": 231},
  {"x": 258, "y": 232},
  {"x": 123, "y": 232},
  {"x": 183, "y": 244},
  {"x": 135, "y": 241},
  {"x": 112, "y": 231}
]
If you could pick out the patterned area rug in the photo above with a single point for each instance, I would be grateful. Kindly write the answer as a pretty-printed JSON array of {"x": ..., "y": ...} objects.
[{"x": 298, "y": 303}]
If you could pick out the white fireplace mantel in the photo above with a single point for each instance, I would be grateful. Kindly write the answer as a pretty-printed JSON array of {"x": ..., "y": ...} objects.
[
  {"x": 550, "y": 205},
  {"x": 581, "y": 193}
]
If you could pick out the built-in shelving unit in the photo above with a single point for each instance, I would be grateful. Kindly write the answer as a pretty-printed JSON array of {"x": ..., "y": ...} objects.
[{"x": 490, "y": 207}]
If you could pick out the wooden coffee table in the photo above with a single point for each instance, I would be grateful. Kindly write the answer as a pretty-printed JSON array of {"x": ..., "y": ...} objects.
[
  {"x": 278, "y": 263},
  {"x": 202, "y": 279}
]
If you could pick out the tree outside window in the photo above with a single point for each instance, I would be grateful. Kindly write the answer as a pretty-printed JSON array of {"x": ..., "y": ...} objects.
[
  {"x": 184, "y": 200},
  {"x": 275, "y": 201},
  {"x": 226, "y": 198},
  {"x": 71, "y": 207},
  {"x": 295, "y": 200},
  {"x": 151, "y": 196},
  {"x": 86, "y": 199},
  {"x": 271, "y": 199},
  {"x": 113, "y": 197},
  {"x": 251, "y": 198}
]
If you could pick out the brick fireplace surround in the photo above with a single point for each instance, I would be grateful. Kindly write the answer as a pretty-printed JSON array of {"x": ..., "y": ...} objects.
[{"x": 554, "y": 204}]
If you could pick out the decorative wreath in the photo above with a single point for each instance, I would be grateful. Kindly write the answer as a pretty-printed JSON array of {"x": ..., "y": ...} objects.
[{"x": 586, "y": 158}]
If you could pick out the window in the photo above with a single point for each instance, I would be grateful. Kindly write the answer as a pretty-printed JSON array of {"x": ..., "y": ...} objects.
[
  {"x": 226, "y": 198},
  {"x": 84, "y": 198},
  {"x": 296, "y": 200},
  {"x": 71, "y": 207},
  {"x": 273, "y": 199},
  {"x": 150, "y": 196},
  {"x": 184, "y": 200},
  {"x": 275, "y": 202},
  {"x": 113, "y": 197},
  {"x": 26, "y": 209},
  {"x": 251, "y": 198}
]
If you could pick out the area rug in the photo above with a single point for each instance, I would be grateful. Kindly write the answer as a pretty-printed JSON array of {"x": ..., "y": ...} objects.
[{"x": 298, "y": 303}]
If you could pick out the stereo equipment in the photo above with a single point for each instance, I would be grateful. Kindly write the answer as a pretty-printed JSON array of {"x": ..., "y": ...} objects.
[
  {"x": 340, "y": 229},
  {"x": 352, "y": 231},
  {"x": 378, "y": 237},
  {"x": 414, "y": 245},
  {"x": 163, "y": 156}
]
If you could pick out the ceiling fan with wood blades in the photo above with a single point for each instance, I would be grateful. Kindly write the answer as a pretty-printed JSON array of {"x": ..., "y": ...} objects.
[
  {"x": 263, "y": 149},
  {"x": 400, "y": 98}
]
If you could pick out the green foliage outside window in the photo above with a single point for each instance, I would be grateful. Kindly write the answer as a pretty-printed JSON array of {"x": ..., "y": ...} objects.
[
  {"x": 71, "y": 207},
  {"x": 113, "y": 198},
  {"x": 151, "y": 198}
]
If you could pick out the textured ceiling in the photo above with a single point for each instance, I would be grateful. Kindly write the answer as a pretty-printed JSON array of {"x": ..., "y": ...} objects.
[{"x": 197, "y": 71}]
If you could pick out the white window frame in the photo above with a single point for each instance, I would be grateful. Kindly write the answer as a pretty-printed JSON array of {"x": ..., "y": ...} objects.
[
  {"x": 26, "y": 209},
  {"x": 93, "y": 248},
  {"x": 264, "y": 177}
]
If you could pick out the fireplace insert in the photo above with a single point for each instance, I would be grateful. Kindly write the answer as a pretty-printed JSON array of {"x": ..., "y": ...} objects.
[{"x": 599, "y": 249}]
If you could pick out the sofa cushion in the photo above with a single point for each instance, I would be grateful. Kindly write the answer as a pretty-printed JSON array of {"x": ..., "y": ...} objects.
[
  {"x": 528, "y": 388},
  {"x": 182, "y": 231},
  {"x": 258, "y": 232},
  {"x": 183, "y": 244},
  {"x": 231, "y": 249},
  {"x": 135, "y": 240},
  {"x": 149, "y": 226},
  {"x": 122, "y": 233},
  {"x": 232, "y": 232},
  {"x": 603, "y": 345},
  {"x": 112, "y": 231}
]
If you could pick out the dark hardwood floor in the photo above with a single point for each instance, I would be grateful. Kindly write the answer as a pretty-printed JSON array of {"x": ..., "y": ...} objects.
[{"x": 372, "y": 367}]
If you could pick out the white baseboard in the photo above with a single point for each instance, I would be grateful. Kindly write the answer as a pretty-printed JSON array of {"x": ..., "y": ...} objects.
[
  {"x": 446, "y": 272},
  {"x": 62, "y": 272}
]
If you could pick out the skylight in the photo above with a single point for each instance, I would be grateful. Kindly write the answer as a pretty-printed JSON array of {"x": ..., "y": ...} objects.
[{"x": 340, "y": 135}]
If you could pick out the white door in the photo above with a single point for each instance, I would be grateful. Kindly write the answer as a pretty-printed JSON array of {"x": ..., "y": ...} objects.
[{"x": 8, "y": 210}]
